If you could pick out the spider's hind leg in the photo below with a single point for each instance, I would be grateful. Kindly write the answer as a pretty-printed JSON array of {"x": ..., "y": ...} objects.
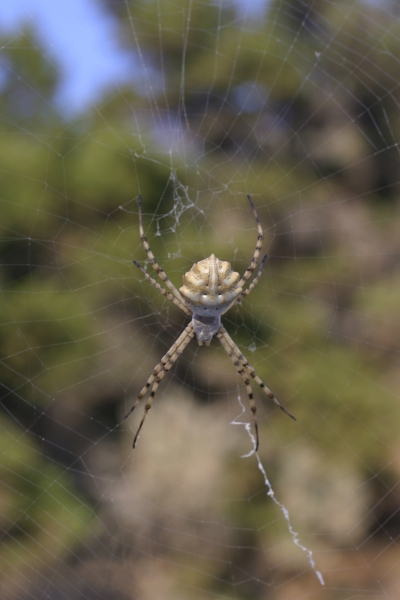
[{"x": 159, "y": 270}]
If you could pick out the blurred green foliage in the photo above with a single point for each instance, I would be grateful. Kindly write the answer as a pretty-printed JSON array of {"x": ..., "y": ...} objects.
[{"x": 41, "y": 513}]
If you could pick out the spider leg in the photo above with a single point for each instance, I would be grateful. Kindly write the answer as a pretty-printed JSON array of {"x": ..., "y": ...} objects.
[
  {"x": 159, "y": 270},
  {"x": 256, "y": 255},
  {"x": 251, "y": 287},
  {"x": 239, "y": 359},
  {"x": 164, "y": 292},
  {"x": 240, "y": 369},
  {"x": 254, "y": 282},
  {"x": 158, "y": 373}
]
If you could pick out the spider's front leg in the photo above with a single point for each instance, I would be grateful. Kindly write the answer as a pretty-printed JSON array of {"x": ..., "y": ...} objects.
[
  {"x": 244, "y": 369},
  {"x": 158, "y": 373},
  {"x": 240, "y": 369}
]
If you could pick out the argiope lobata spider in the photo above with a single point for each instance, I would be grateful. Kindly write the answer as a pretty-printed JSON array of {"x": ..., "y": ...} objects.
[{"x": 209, "y": 290}]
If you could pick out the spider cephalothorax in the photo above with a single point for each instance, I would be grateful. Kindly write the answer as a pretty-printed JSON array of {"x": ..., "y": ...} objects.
[{"x": 209, "y": 289}]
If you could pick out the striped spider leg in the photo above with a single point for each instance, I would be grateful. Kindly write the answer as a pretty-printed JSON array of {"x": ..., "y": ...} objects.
[{"x": 210, "y": 288}]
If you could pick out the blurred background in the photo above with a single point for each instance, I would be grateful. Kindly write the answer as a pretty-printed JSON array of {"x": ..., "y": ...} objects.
[{"x": 193, "y": 105}]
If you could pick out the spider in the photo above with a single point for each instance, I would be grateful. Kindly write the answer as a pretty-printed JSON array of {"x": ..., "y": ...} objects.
[{"x": 209, "y": 290}]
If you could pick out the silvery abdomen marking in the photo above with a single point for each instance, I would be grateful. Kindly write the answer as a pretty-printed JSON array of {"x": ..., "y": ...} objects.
[{"x": 208, "y": 290}]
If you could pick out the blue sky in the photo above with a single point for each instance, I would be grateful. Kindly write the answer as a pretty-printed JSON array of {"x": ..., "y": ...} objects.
[{"x": 80, "y": 39}]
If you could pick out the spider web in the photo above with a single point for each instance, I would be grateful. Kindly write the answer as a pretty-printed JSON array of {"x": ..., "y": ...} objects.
[{"x": 193, "y": 105}]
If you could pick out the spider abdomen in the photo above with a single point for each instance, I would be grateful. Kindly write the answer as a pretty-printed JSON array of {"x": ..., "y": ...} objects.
[{"x": 210, "y": 286}]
